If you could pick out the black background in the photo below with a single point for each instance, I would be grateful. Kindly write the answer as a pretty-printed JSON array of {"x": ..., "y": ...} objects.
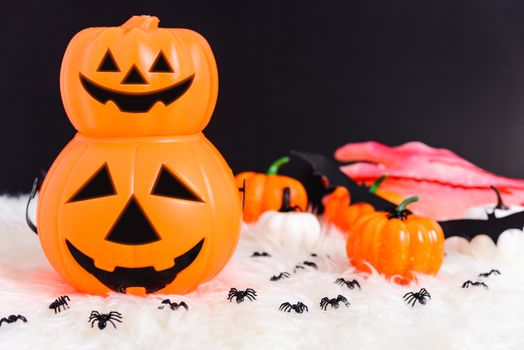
[{"x": 295, "y": 75}]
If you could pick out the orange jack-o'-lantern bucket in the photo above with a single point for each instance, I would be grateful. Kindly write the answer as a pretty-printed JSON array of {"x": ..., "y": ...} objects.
[{"x": 139, "y": 201}]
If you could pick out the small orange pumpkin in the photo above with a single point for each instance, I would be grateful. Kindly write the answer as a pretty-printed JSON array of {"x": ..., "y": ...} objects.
[
  {"x": 263, "y": 192},
  {"x": 337, "y": 209},
  {"x": 396, "y": 243}
]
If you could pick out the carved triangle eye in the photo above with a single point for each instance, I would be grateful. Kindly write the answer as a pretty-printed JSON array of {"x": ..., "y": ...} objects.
[
  {"x": 169, "y": 185},
  {"x": 108, "y": 63},
  {"x": 161, "y": 65},
  {"x": 98, "y": 185}
]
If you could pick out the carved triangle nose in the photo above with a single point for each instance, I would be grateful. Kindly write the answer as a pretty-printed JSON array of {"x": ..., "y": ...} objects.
[
  {"x": 132, "y": 227},
  {"x": 134, "y": 77}
]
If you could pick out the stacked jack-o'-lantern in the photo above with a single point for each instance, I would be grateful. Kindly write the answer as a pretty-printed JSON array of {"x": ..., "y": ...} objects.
[{"x": 139, "y": 201}]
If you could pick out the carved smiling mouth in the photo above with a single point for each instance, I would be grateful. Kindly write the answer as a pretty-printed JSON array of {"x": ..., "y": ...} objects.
[
  {"x": 147, "y": 277},
  {"x": 136, "y": 102}
]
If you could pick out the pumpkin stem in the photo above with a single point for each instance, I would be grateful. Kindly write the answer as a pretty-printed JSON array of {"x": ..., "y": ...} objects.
[
  {"x": 375, "y": 185},
  {"x": 275, "y": 166},
  {"x": 144, "y": 22},
  {"x": 286, "y": 202},
  {"x": 402, "y": 206},
  {"x": 500, "y": 203},
  {"x": 401, "y": 212}
]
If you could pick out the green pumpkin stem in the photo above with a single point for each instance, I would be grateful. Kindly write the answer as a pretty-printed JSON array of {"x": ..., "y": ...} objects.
[
  {"x": 275, "y": 166},
  {"x": 286, "y": 202},
  {"x": 402, "y": 206},
  {"x": 375, "y": 185},
  {"x": 401, "y": 212},
  {"x": 500, "y": 203}
]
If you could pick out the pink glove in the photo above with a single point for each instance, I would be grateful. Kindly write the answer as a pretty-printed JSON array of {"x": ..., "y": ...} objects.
[{"x": 446, "y": 184}]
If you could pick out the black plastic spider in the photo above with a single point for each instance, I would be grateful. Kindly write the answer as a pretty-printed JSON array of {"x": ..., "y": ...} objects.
[
  {"x": 173, "y": 305},
  {"x": 310, "y": 264},
  {"x": 492, "y": 272},
  {"x": 280, "y": 276},
  {"x": 476, "y": 284},
  {"x": 419, "y": 296},
  {"x": 102, "y": 319},
  {"x": 60, "y": 302},
  {"x": 12, "y": 318},
  {"x": 350, "y": 284},
  {"x": 333, "y": 302},
  {"x": 298, "y": 307},
  {"x": 259, "y": 254},
  {"x": 249, "y": 293}
]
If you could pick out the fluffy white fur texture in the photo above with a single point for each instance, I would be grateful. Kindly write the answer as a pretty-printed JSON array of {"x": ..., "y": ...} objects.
[{"x": 378, "y": 318}]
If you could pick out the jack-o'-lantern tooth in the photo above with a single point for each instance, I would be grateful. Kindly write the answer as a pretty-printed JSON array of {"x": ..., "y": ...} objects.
[
  {"x": 164, "y": 264},
  {"x": 105, "y": 265}
]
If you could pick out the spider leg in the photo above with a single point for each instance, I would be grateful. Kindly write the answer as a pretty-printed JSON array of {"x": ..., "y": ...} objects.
[
  {"x": 20, "y": 317},
  {"x": 114, "y": 315},
  {"x": 408, "y": 299},
  {"x": 343, "y": 299},
  {"x": 109, "y": 320},
  {"x": 407, "y": 295},
  {"x": 93, "y": 323},
  {"x": 284, "y": 306}
]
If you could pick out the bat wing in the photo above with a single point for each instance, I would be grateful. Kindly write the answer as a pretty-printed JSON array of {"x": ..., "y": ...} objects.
[
  {"x": 331, "y": 171},
  {"x": 493, "y": 227}
]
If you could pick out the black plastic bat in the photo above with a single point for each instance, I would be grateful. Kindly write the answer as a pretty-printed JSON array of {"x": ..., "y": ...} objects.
[
  {"x": 493, "y": 226},
  {"x": 330, "y": 170},
  {"x": 467, "y": 228}
]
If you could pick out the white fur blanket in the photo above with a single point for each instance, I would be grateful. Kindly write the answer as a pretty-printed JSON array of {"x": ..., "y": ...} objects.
[{"x": 377, "y": 318}]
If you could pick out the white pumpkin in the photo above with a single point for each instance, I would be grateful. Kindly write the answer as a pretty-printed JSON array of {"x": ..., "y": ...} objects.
[{"x": 292, "y": 230}]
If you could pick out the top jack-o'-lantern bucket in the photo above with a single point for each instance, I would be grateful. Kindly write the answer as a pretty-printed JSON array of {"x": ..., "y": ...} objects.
[
  {"x": 139, "y": 201},
  {"x": 139, "y": 80}
]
